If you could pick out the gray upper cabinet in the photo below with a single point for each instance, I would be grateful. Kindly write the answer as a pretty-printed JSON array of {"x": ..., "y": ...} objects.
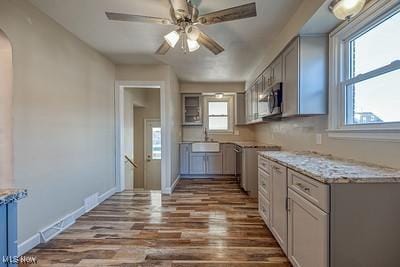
[
  {"x": 248, "y": 106},
  {"x": 240, "y": 109},
  {"x": 192, "y": 109},
  {"x": 305, "y": 76},
  {"x": 229, "y": 159},
  {"x": 185, "y": 158},
  {"x": 262, "y": 105},
  {"x": 273, "y": 74},
  {"x": 254, "y": 100}
]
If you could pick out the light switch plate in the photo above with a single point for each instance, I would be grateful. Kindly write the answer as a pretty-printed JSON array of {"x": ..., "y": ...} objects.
[{"x": 318, "y": 139}]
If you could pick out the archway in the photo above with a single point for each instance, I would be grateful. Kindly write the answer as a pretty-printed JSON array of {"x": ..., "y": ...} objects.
[{"x": 6, "y": 79}]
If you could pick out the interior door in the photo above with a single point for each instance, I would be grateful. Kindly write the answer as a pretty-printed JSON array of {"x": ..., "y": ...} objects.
[{"x": 152, "y": 177}]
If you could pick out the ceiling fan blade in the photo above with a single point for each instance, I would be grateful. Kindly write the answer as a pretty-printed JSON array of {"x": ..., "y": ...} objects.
[
  {"x": 210, "y": 44},
  {"x": 163, "y": 49},
  {"x": 234, "y": 13},
  {"x": 137, "y": 18}
]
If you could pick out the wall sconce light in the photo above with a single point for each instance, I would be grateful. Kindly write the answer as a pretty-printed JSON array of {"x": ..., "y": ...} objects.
[{"x": 219, "y": 95}]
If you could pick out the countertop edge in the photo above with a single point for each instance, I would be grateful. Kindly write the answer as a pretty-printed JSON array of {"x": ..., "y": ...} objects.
[
  {"x": 8, "y": 195},
  {"x": 241, "y": 144}
]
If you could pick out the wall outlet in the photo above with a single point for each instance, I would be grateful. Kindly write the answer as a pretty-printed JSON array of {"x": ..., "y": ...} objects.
[
  {"x": 318, "y": 139},
  {"x": 236, "y": 132}
]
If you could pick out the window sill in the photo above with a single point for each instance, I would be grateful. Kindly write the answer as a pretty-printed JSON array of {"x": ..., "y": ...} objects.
[{"x": 373, "y": 134}]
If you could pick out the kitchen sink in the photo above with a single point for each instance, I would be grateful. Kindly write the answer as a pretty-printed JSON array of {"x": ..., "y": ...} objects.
[{"x": 206, "y": 147}]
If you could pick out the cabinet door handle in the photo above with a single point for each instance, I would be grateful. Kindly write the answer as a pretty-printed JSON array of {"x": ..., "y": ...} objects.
[
  {"x": 288, "y": 208},
  {"x": 303, "y": 187},
  {"x": 277, "y": 169}
]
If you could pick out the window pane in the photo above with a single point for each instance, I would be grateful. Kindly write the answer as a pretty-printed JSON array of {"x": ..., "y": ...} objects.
[
  {"x": 376, "y": 48},
  {"x": 218, "y": 123},
  {"x": 218, "y": 108},
  {"x": 156, "y": 148},
  {"x": 376, "y": 100}
]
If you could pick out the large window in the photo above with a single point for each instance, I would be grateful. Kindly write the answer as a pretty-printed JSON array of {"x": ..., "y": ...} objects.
[
  {"x": 219, "y": 114},
  {"x": 366, "y": 52}
]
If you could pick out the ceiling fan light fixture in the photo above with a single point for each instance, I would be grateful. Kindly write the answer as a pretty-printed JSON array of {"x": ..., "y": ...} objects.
[
  {"x": 192, "y": 32},
  {"x": 172, "y": 38},
  {"x": 192, "y": 45},
  {"x": 345, "y": 9}
]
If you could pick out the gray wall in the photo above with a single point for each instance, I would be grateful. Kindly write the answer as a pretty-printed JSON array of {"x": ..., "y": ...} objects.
[
  {"x": 6, "y": 74},
  {"x": 63, "y": 110}
]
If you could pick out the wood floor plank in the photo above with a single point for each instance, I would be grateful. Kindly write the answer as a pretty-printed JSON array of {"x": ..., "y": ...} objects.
[{"x": 205, "y": 222}]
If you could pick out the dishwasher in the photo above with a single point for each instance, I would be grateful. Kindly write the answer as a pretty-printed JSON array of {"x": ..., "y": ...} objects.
[{"x": 238, "y": 171}]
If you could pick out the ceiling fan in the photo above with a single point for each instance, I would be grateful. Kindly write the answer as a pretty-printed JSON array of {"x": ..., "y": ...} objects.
[{"x": 185, "y": 15}]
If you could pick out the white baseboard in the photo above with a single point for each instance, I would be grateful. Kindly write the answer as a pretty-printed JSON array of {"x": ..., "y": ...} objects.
[
  {"x": 28, "y": 244},
  {"x": 107, "y": 194},
  {"x": 175, "y": 183},
  {"x": 59, "y": 226},
  {"x": 170, "y": 190}
]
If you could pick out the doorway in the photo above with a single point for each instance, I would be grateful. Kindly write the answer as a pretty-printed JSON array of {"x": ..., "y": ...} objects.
[
  {"x": 121, "y": 165},
  {"x": 152, "y": 163}
]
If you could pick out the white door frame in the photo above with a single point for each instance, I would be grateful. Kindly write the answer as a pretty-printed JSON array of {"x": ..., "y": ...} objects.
[
  {"x": 119, "y": 131},
  {"x": 145, "y": 148}
]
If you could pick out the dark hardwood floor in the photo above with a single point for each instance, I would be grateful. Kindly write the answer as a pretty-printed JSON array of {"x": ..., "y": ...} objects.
[{"x": 205, "y": 222}]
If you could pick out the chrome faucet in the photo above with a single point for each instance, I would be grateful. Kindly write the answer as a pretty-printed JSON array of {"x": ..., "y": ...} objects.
[{"x": 206, "y": 138}]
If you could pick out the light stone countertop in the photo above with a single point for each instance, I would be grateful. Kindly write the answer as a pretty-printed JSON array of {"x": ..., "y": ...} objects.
[
  {"x": 330, "y": 170},
  {"x": 8, "y": 195},
  {"x": 242, "y": 144}
]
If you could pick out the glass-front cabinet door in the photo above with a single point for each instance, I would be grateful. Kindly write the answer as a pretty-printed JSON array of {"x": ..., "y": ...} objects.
[{"x": 192, "y": 111}]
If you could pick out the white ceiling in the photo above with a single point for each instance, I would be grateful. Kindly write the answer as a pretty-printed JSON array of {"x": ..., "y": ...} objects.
[{"x": 135, "y": 43}]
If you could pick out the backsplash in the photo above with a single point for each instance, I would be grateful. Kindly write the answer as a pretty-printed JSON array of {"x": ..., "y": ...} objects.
[
  {"x": 196, "y": 133},
  {"x": 300, "y": 134}
]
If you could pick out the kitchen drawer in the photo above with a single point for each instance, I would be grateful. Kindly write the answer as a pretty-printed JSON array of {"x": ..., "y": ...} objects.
[
  {"x": 264, "y": 183},
  {"x": 264, "y": 208},
  {"x": 312, "y": 190},
  {"x": 264, "y": 164}
]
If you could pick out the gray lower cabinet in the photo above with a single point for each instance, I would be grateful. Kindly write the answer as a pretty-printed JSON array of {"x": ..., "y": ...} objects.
[
  {"x": 185, "y": 158},
  {"x": 205, "y": 163},
  {"x": 278, "y": 204},
  {"x": 197, "y": 163},
  {"x": 3, "y": 233},
  {"x": 214, "y": 163},
  {"x": 229, "y": 159},
  {"x": 8, "y": 234},
  {"x": 308, "y": 228}
]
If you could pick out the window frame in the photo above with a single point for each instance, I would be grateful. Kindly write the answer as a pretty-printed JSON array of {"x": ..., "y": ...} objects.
[
  {"x": 229, "y": 100},
  {"x": 375, "y": 13}
]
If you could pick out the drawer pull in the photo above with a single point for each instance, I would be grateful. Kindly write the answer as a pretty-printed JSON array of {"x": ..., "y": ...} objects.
[
  {"x": 303, "y": 187},
  {"x": 263, "y": 184},
  {"x": 277, "y": 169}
]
